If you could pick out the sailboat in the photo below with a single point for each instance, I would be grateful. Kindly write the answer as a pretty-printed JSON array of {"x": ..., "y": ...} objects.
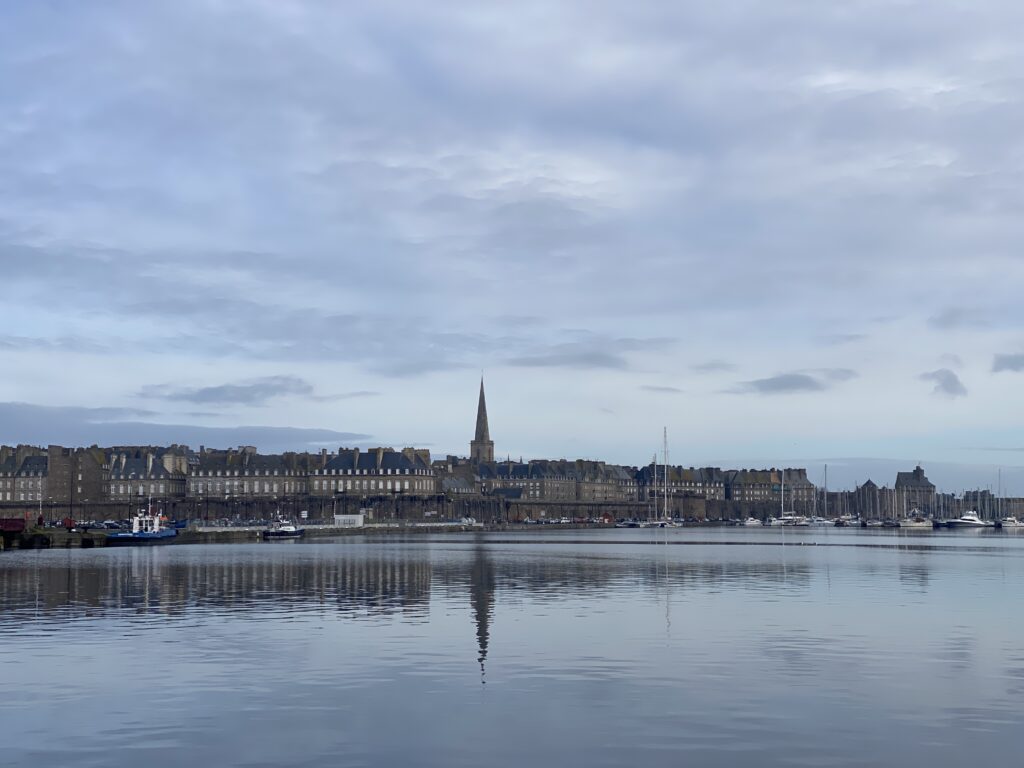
[{"x": 791, "y": 518}]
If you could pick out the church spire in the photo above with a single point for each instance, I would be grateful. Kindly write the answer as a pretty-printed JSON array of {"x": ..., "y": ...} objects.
[{"x": 481, "y": 449}]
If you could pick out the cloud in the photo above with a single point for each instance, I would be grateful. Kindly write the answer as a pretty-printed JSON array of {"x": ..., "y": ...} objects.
[
  {"x": 947, "y": 383},
  {"x": 1008, "y": 362},
  {"x": 950, "y": 360},
  {"x": 956, "y": 318},
  {"x": 661, "y": 389},
  {"x": 838, "y": 339},
  {"x": 569, "y": 357},
  {"x": 713, "y": 366},
  {"x": 252, "y": 392},
  {"x": 835, "y": 374},
  {"x": 786, "y": 383},
  {"x": 590, "y": 352},
  {"x": 810, "y": 380},
  {"x": 43, "y": 425}
]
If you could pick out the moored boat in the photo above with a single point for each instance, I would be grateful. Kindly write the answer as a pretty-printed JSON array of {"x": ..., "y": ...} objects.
[
  {"x": 1011, "y": 522},
  {"x": 916, "y": 521},
  {"x": 283, "y": 529},
  {"x": 147, "y": 529},
  {"x": 969, "y": 519},
  {"x": 752, "y": 521}
]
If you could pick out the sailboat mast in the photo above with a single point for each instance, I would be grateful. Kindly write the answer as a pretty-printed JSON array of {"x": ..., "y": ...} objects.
[
  {"x": 825, "y": 505},
  {"x": 782, "y": 494},
  {"x": 664, "y": 438}
]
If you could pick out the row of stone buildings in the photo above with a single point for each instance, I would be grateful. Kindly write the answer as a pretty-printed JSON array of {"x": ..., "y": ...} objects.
[
  {"x": 59, "y": 475},
  {"x": 79, "y": 476}
]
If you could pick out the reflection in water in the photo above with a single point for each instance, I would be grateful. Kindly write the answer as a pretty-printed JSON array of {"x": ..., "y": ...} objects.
[
  {"x": 596, "y": 650},
  {"x": 481, "y": 586}
]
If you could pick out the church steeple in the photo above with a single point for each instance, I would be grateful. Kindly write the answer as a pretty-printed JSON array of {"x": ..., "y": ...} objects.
[{"x": 481, "y": 449}]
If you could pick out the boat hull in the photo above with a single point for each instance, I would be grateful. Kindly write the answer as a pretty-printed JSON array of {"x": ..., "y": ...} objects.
[
  {"x": 165, "y": 536},
  {"x": 284, "y": 534}
]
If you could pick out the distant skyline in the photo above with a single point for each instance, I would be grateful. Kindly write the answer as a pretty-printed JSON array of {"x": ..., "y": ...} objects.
[{"x": 779, "y": 229}]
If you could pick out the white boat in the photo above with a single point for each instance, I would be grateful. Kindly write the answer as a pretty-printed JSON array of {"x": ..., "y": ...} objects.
[
  {"x": 1011, "y": 522},
  {"x": 970, "y": 519},
  {"x": 816, "y": 521},
  {"x": 916, "y": 521},
  {"x": 752, "y": 521},
  {"x": 789, "y": 519}
]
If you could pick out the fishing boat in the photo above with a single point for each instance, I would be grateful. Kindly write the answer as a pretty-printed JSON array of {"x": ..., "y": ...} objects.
[
  {"x": 283, "y": 529},
  {"x": 969, "y": 519},
  {"x": 147, "y": 529}
]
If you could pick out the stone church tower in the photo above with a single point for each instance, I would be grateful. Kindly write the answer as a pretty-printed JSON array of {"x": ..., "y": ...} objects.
[{"x": 481, "y": 449}]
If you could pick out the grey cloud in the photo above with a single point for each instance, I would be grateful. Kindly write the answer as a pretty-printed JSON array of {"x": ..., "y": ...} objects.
[
  {"x": 959, "y": 317},
  {"x": 786, "y": 383},
  {"x": 838, "y": 339},
  {"x": 947, "y": 383},
  {"x": 42, "y": 425},
  {"x": 357, "y": 394},
  {"x": 836, "y": 374},
  {"x": 56, "y": 344},
  {"x": 568, "y": 357},
  {"x": 661, "y": 389},
  {"x": 252, "y": 392},
  {"x": 713, "y": 366},
  {"x": 810, "y": 380},
  {"x": 1008, "y": 362}
]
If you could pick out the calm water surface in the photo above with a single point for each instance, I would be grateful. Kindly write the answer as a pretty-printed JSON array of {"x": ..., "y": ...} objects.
[{"x": 718, "y": 647}]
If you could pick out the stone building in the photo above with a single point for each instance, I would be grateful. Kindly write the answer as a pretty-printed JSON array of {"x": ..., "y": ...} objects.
[
  {"x": 682, "y": 482},
  {"x": 800, "y": 491},
  {"x": 374, "y": 472},
  {"x": 244, "y": 473},
  {"x": 146, "y": 473},
  {"x": 752, "y": 485},
  {"x": 914, "y": 490}
]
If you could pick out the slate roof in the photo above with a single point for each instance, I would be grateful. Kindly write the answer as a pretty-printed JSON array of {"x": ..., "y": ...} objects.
[
  {"x": 135, "y": 467},
  {"x": 374, "y": 460},
  {"x": 34, "y": 466}
]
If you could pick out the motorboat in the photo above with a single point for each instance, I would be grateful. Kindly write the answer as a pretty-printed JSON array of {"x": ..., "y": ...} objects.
[
  {"x": 752, "y": 521},
  {"x": 283, "y": 529},
  {"x": 819, "y": 521},
  {"x": 147, "y": 529},
  {"x": 1011, "y": 522},
  {"x": 970, "y": 519},
  {"x": 874, "y": 523}
]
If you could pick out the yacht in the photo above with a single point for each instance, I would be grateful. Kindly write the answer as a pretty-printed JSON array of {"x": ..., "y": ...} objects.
[
  {"x": 752, "y": 521},
  {"x": 969, "y": 519},
  {"x": 1011, "y": 522}
]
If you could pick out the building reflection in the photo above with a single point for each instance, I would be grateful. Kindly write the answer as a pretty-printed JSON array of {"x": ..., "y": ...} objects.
[{"x": 365, "y": 580}]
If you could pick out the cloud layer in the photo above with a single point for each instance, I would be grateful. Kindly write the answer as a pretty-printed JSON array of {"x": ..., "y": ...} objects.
[{"x": 276, "y": 202}]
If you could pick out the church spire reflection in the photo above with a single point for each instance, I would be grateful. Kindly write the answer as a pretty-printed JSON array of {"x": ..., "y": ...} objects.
[{"x": 481, "y": 595}]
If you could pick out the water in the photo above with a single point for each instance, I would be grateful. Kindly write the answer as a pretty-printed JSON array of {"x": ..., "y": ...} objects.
[{"x": 718, "y": 647}]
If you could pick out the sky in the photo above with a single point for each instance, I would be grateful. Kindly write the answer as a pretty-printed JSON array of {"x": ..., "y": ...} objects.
[{"x": 786, "y": 231}]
